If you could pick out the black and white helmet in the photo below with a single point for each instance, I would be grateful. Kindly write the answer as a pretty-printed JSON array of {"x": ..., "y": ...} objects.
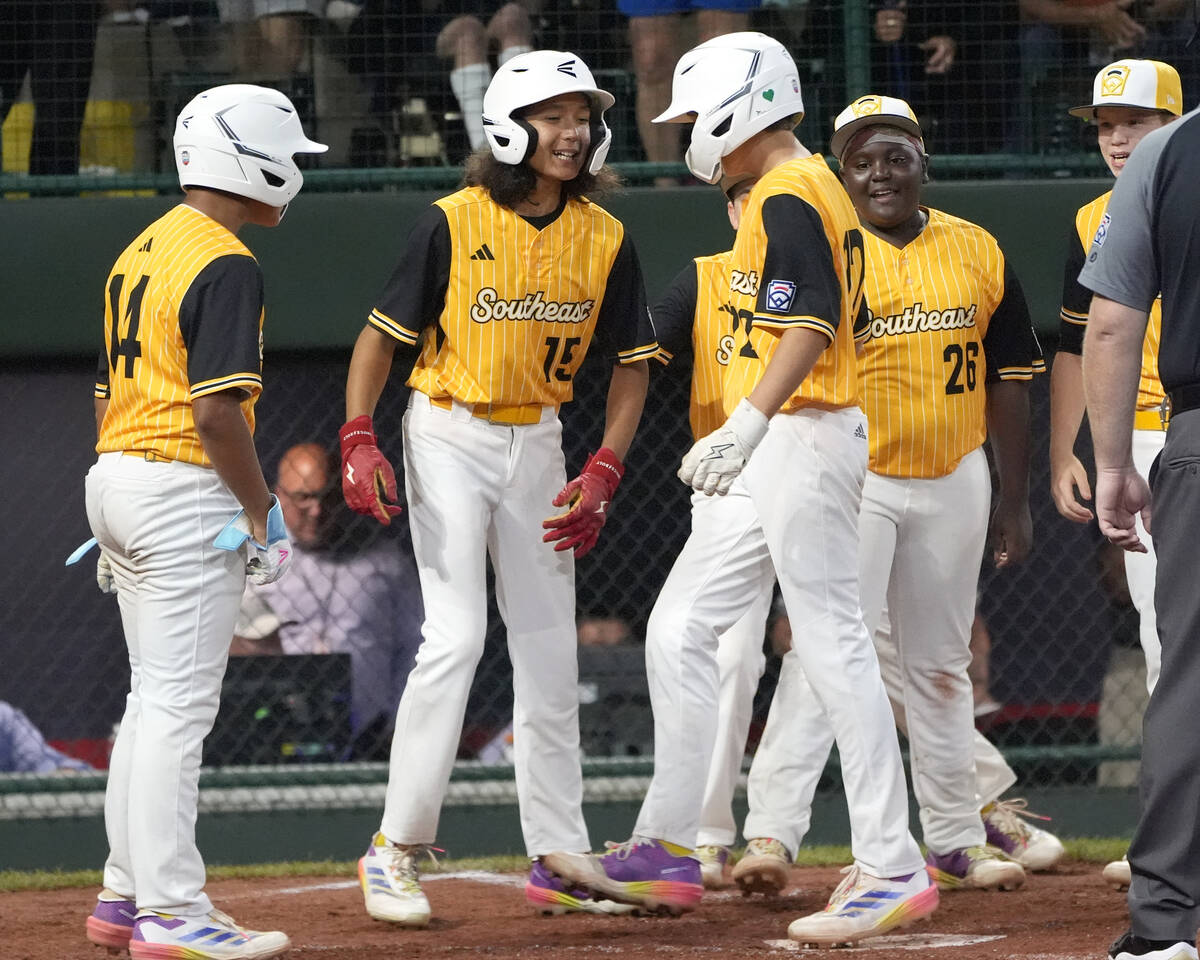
[
  {"x": 531, "y": 78},
  {"x": 240, "y": 138}
]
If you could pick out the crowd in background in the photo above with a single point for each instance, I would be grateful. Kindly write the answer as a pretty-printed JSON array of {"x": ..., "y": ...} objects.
[{"x": 388, "y": 82}]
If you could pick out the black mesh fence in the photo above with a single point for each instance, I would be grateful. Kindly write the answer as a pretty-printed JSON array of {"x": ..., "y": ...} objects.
[
  {"x": 93, "y": 87},
  {"x": 1060, "y": 685}
]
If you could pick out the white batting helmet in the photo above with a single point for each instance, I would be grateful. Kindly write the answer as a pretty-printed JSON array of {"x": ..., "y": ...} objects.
[
  {"x": 531, "y": 78},
  {"x": 240, "y": 138},
  {"x": 735, "y": 86}
]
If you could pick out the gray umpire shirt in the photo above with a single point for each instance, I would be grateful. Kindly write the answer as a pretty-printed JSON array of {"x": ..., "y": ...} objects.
[{"x": 1157, "y": 244}]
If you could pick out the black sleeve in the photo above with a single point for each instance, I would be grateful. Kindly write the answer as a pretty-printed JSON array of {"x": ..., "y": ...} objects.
[
  {"x": 1076, "y": 298},
  {"x": 799, "y": 278},
  {"x": 101, "y": 390},
  {"x": 416, "y": 292},
  {"x": 219, "y": 321},
  {"x": 1010, "y": 346},
  {"x": 675, "y": 313},
  {"x": 623, "y": 325}
]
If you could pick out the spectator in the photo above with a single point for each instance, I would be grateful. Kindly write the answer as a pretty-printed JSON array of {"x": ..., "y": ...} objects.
[
  {"x": 366, "y": 603},
  {"x": 390, "y": 45},
  {"x": 279, "y": 34},
  {"x": 656, "y": 31},
  {"x": 54, "y": 43},
  {"x": 23, "y": 749}
]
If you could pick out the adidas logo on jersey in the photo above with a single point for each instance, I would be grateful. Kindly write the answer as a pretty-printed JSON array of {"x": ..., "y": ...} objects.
[
  {"x": 483, "y": 253},
  {"x": 860, "y": 433}
]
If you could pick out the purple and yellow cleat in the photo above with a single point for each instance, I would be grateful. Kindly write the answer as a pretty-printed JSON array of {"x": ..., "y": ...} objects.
[{"x": 652, "y": 875}]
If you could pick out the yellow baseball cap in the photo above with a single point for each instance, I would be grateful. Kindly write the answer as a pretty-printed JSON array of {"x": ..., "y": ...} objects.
[
  {"x": 873, "y": 110},
  {"x": 1145, "y": 84}
]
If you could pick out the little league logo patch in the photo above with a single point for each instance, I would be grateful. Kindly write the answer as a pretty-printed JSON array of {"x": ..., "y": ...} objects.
[
  {"x": 1098, "y": 239},
  {"x": 780, "y": 294},
  {"x": 1113, "y": 84}
]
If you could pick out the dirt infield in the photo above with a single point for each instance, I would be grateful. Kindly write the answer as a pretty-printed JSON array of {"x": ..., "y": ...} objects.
[{"x": 1069, "y": 914}]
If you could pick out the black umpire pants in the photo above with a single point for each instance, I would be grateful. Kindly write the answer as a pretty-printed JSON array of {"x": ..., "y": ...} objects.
[{"x": 1164, "y": 898}]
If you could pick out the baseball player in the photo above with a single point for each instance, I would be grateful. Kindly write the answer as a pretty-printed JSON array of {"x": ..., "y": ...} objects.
[
  {"x": 948, "y": 357},
  {"x": 788, "y": 465},
  {"x": 502, "y": 287},
  {"x": 1129, "y": 99},
  {"x": 176, "y": 480},
  {"x": 696, "y": 315}
]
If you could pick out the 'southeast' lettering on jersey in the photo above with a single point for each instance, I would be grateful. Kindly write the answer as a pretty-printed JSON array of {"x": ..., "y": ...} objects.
[
  {"x": 916, "y": 320},
  {"x": 490, "y": 306}
]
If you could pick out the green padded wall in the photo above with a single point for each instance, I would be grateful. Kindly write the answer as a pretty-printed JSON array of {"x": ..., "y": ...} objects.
[{"x": 327, "y": 261}]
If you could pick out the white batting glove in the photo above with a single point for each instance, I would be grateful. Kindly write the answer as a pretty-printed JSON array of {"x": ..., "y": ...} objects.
[
  {"x": 714, "y": 461},
  {"x": 104, "y": 574},
  {"x": 267, "y": 562}
]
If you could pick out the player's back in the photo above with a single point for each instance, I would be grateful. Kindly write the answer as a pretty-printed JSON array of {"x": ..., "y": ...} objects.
[{"x": 145, "y": 373}]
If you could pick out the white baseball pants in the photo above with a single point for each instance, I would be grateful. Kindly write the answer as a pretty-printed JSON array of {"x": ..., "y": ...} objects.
[
  {"x": 1140, "y": 568},
  {"x": 794, "y": 507},
  {"x": 740, "y": 665},
  {"x": 477, "y": 489},
  {"x": 179, "y": 598},
  {"x": 922, "y": 543}
]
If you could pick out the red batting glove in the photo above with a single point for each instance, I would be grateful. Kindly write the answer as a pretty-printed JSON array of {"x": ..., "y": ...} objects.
[
  {"x": 589, "y": 495},
  {"x": 368, "y": 480}
]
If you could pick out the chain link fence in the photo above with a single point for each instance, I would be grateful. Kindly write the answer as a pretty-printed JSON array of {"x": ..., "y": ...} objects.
[
  {"x": 1059, "y": 687},
  {"x": 93, "y": 86}
]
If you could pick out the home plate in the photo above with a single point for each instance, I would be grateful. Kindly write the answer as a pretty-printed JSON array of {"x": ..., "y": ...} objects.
[{"x": 904, "y": 941}]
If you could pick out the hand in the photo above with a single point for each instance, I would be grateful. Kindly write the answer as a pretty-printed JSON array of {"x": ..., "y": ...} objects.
[
  {"x": 1118, "y": 27},
  {"x": 368, "y": 481},
  {"x": 941, "y": 50},
  {"x": 589, "y": 496},
  {"x": 1065, "y": 478},
  {"x": 714, "y": 461},
  {"x": 104, "y": 574},
  {"x": 1121, "y": 494},
  {"x": 1011, "y": 532},
  {"x": 270, "y": 558},
  {"x": 266, "y": 559}
]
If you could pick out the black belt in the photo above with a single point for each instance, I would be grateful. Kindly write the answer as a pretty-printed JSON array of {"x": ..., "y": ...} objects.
[{"x": 1184, "y": 398}]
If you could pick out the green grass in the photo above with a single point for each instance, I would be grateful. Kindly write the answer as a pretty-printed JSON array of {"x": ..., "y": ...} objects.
[{"x": 1090, "y": 849}]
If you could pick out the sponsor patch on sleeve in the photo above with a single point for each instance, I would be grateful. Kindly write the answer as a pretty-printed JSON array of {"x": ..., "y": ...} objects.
[{"x": 780, "y": 294}]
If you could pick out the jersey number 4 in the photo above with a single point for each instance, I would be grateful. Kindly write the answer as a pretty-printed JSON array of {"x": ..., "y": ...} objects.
[{"x": 129, "y": 346}]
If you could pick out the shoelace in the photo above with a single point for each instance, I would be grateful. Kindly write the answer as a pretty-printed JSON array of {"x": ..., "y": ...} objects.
[
  {"x": 1007, "y": 815},
  {"x": 625, "y": 850},
  {"x": 847, "y": 889},
  {"x": 225, "y": 919},
  {"x": 402, "y": 861}
]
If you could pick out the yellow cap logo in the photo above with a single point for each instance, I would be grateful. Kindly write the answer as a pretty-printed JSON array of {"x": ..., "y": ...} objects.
[
  {"x": 1113, "y": 84},
  {"x": 865, "y": 106}
]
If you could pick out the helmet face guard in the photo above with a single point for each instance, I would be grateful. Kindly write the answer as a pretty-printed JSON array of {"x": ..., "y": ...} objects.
[
  {"x": 241, "y": 138},
  {"x": 734, "y": 86},
  {"x": 529, "y": 79}
]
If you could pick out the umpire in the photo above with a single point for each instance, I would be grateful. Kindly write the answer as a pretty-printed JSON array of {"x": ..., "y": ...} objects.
[{"x": 1148, "y": 241}]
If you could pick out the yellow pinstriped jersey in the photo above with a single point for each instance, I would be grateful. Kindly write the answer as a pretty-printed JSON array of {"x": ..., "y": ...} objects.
[
  {"x": 696, "y": 311},
  {"x": 946, "y": 315},
  {"x": 1077, "y": 299},
  {"x": 797, "y": 262},
  {"x": 505, "y": 307},
  {"x": 183, "y": 313}
]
